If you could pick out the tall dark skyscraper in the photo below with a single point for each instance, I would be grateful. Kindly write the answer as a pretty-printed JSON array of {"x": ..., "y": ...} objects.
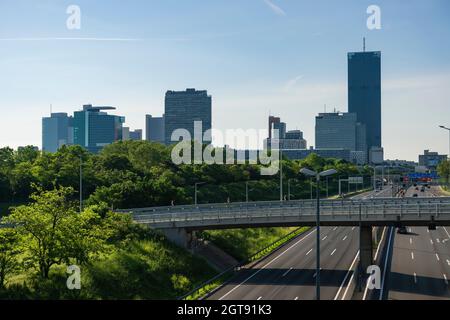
[
  {"x": 364, "y": 93},
  {"x": 183, "y": 108}
]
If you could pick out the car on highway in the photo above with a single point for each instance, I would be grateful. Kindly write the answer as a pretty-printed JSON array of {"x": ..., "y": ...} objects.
[
  {"x": 415, "y": 195},
  {"x": 402, "y": 230}
]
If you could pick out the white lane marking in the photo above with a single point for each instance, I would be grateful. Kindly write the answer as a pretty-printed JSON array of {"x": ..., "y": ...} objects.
[
  {"x": 259, "y": 298},
  {"x": 268, "y": 264},
  {"x": 379, "y": 245},
  {"x": 437, "y": 257},
  {"x": 353, "y": 228},
  {"x": 415, "y": 277},
  {"x": 334, "y": 251},
  {"x": 445, "y": 278},
  {"x": 309, "y": 251},
  {"x": 448, "y": 262},
  {"x": 438, "y": 241},
  {"x": 410, "y": 240},
  {"x": 296, "y": 298},
  {"x": 412, "y": 255},
  {"x": 428, "y": 230},
  {"x": 431, "y": 241},
  {"x": 385, "y": 265},
  {"x": 345, "y": 238},
  {"x": 335, "y": 228},
  {"x": 285, "y": 274},
  {"x": 324, "y": 238},
  {"x": 448, "y": 234},
  {"x": 345, "y": 278}
]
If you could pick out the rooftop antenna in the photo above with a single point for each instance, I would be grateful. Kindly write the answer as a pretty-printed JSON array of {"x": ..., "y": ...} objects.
[{"x": 364, "y": 44}]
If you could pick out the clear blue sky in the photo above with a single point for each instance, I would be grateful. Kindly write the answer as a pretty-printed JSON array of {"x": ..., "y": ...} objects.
[{"x": 286, "y": 57}]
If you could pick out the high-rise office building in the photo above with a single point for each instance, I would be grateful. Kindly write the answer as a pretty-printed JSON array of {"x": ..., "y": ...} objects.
[
  {"x": 342, "y": 131},
  {"x": 154, "y": 129},
  {"x": 183, "y": 109},
  {"x": 94, "y": 128},
  {"x": 280, "y": 138},
  {"x": 57, "y": 130},
  {"x": 364, "y": 93}
]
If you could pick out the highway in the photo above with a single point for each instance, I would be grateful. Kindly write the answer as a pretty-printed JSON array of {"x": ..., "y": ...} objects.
[
  {"x": 420, "y": 262},
  {"x": 289, "y": 273}
]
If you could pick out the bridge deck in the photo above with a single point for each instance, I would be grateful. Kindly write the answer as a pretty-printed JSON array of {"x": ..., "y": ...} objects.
[{"x": 376, "y": 211}]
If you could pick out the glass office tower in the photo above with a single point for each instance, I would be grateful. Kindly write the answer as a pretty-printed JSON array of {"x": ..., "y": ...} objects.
[
  {"x": 364, "y": 93},
  {"x": 183, "y": 108},
  {"x": 94, "y": 128},
  {"x": 57, "y": 130}
]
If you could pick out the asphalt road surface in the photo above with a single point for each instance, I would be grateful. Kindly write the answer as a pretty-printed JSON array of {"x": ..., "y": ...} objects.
[
  {"x": 289, "y": 273},
  {"x": 420, "y": 262}
]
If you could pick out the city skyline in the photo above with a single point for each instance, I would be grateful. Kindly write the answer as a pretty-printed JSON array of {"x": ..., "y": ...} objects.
[{"x": 254, "y": 60}]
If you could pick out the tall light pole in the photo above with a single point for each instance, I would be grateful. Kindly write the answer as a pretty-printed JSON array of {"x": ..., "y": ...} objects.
[
  {"x": 195, "y": 192},
  {"x": 281, "y": 175},
  {"x": 448, "y": 156},
  {"x": 81, "y": 184},
  {"x": 289, "y": 189},
  {"x": 318, "y": 175},
  {"x": 448, "y": 129},
  {"x": 246, "y": 191}
]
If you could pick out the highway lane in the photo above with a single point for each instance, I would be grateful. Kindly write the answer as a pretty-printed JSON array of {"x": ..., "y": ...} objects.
[
  {"x": 420, "y": 262},
  {"x": 289, "y": 273}
]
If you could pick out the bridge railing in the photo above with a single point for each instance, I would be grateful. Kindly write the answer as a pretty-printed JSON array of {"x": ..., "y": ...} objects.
[
  {"x": 275, "y": 204},
  {"x": 348, "y": 210}
]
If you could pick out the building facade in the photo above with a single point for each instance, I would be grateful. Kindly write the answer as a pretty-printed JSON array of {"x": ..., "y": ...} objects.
[
  {"x": 154, "y": 129},
  {"x": 284, "y": 140},
  {"x": 183, "y": 109},
  {"x": 128, "y": 134},
  {"x": 342, "y": 131},
  {"x": 364, "y": 93},
  {"x": 431, "y": 160},
  {"x": 94, "y": 128},
  {"x": 57, "y": 130}
]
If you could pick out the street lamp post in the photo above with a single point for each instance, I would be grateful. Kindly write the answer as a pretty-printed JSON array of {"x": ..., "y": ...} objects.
[
  {"x": 281, "y": 175},
  {"x": 448, "y": 129},
  {"x": 317, "y": 175},
  {"x": 289, "y": 189},
  {"x": 196, "y": 190},
  {"x": 246, "y": 191},
  {"x": 81, "y": 184},
  {"x": 448, "y": 156}
]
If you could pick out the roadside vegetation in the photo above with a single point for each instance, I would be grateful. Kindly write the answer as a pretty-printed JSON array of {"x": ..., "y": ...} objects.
[
  {"x": 43, "y": 231},
  {"x": 444, "y": 173}
]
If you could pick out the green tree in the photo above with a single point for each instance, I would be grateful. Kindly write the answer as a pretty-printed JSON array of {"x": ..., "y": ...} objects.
[
  {"x": 444, "y": 170},
  {"x": 9, "y": 250},
  {"x": 43, "y": 227}
]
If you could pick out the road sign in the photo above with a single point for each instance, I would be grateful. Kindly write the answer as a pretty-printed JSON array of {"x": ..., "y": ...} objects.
[{"x": 355, "y": 180}]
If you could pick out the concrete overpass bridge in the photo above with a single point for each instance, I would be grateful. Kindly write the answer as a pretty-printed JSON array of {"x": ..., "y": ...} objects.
[
  {"x": 345, "y": 212},
  {"x": 179, "y": 223}
]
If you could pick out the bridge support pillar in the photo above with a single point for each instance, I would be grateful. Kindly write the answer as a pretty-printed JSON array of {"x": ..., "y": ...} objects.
[
  {"x": 180, "y": 236},
  {"x": 366, "y": 248}
]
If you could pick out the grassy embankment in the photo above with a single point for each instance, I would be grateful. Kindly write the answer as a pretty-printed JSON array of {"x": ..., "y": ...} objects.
[{"x": 143, "y": 266}]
